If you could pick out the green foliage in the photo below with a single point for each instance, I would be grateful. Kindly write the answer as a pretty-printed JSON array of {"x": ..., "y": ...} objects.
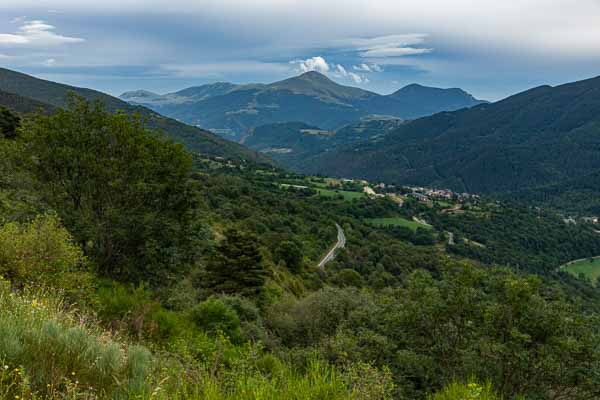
[
  {"x": 214, "y": 316},
  {"x": 238, "y": 265},
  {"x": 471, "y": 391},
  {"x": 122, "y": 191},
  {"x": 291, "y": 253},
  {"x": 9, "y": 123},
  {"x": 46, "y": 353},
  {"x": 43, "y": 253},
  {"x": 529, "y": 239},
  {"x": 54, "y": 353}
]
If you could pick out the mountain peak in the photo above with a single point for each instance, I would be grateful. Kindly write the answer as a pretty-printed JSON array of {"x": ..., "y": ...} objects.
[
  {"x": 452, "y": 98},
  {"x": 314, "y": 76},
  {"x": 138, "y": 94}
]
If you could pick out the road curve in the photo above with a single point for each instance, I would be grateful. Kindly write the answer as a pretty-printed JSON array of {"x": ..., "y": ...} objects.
[{"x": 341, "y": 243}]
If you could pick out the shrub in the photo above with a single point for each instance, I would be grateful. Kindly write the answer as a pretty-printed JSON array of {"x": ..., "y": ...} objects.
[
  {"x": 214, "y": 316},
  {"x": 471, "y": 391},
  {"x": 43, "y": 253}
]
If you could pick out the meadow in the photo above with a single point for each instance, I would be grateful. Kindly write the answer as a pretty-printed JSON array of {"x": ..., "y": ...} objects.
[
  {"x": 397, "y": 221},
  {"x": 587, "y": 268}
]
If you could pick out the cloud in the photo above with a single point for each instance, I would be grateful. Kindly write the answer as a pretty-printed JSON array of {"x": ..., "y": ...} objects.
[
  {"x": 394, "y": 52},
  {"x": 317, "y": 63},
  {"x": 321, "y": 65},
  {"x": 358, "y": 79},
  {"x": 399, "y": 45},
  {"x": 368, "y": 67},
  {"x": 340, "y": 71},
  {"x": 35, "y": 33}
]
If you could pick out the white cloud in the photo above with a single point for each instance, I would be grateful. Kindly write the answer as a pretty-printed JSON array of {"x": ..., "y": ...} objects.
[
  {"x": 358, "y": 79},
  {"x": 340, "y": 69},
  {"x": 394, "y": 52},
  {"x": 35, "y": 33},
  {"x": 317, "y": 63},
  {"x": 368, "y": 67},
  {"x": 384, "y": 46},
  {"x": 50, "y": 62}
]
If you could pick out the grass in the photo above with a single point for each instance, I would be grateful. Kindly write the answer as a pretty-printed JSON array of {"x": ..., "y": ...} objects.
[
  {"x": 49, "y": 352},
  {"x": 345, "y": 194},
  {"x": 590, "y": 269},
  {"x": 397, "y": 221}
]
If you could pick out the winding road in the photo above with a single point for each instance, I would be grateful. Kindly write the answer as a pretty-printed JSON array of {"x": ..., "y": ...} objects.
[{"x": 341, "y": 243}]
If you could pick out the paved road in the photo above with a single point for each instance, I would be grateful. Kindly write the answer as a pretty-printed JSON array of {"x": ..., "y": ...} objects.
[{"x": 341, "y": 243}]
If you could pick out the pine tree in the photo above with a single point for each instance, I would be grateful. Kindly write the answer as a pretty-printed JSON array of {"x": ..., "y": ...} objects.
[{"x": 238, "y": 265}]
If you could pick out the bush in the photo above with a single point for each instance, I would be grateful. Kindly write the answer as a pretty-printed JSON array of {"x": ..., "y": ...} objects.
[
  {"x": 214, "y": 316},
  {"x": 471, "y": 391},
  {"x": 43, "y": 253}
]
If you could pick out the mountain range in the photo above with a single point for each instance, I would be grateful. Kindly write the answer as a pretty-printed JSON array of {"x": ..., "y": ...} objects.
[
  {"x": 311, "y": 98},
  {"x": 24, "y": 94},
  {"x": 543, "y": 136}
]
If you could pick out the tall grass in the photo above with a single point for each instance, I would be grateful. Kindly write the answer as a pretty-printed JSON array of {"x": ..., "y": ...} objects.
[{"x": 49, "y": 353}]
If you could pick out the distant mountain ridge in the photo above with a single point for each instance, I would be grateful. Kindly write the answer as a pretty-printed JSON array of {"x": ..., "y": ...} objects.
[
  {"x": 310, "y": 98},
  {"x": 24, "y": 93},
  {"x": 291, "y": 143},
  {"x": 543, "y": 136}
]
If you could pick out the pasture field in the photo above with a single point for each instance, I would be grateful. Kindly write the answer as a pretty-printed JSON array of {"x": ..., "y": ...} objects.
[
  {"x": 397, "y": 221},
  {"x": 347, "y": 195},
  {"x": 589, "y": 268}
]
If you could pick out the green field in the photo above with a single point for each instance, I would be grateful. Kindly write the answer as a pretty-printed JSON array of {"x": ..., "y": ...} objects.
[
  {"x": 590, "y": 269},
  {"x": 345, "y": 194},
  {"x": 397, "y": 221}
]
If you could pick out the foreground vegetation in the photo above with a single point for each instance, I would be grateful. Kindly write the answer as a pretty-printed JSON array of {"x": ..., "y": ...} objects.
[{"x": 132, "y": 269}]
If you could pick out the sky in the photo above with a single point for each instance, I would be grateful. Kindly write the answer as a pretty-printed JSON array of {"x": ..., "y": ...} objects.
[{"x": 492, "y": 49}]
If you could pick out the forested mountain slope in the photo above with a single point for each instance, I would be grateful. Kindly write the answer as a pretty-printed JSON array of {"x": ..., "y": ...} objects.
[
  {"x": 310, "y": 98},
  {"x": 34, "y": 93},
  {"x": 542, "y": 136}
]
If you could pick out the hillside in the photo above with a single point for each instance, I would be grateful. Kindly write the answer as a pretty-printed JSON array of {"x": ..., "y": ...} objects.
[
  {"x": 291, "y": 143},
  {"x": 311, "y": 98},
  {"x": 539, "y": 137},
  {"x": 25, "y": 93},
  {"x": 23, "y": 105}
]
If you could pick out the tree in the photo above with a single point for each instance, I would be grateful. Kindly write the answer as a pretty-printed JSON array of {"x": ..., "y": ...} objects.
[
  {"x": 291, "y": 253},
  {"x": 237, "y": 266},
  {"x": 122, "y": 190},
  {"x": 9, "y": 123}
]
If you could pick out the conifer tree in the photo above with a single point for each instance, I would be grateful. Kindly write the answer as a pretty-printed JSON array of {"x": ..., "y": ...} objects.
[{"x": 238, "y": 265}]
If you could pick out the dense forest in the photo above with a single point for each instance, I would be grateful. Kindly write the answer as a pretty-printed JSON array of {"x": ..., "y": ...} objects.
[
  {"x": 134, "y": 269},
  {"x": 543, "y": 137}
]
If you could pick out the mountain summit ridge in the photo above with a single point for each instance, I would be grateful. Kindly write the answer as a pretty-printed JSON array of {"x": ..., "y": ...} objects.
[{"x": 311, "y": 97}]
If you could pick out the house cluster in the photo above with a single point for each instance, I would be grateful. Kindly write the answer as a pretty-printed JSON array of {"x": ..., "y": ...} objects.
[
  {"x": 371, "y": 193},
  {"x": 588, "y": 220},
  {"x": 427, "y": 195}
]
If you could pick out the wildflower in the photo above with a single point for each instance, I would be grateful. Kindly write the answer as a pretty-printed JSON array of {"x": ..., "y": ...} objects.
[
  {"x": 73, "y": 373},
  {"x": 6, "y": 367}
]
